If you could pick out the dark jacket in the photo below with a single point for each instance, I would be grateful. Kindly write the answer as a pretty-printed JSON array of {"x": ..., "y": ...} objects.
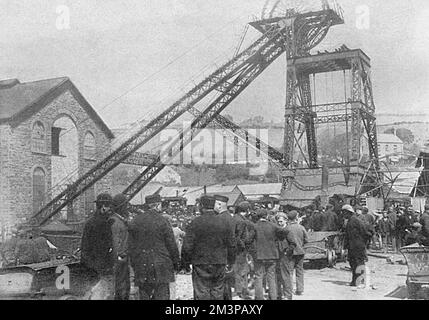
[
  {"x": 409, "y": 220},
  {"x": 424, "y": 221},
  {"x": 244, "y": 233},
  {"x": 329, "y": 221},
  {"x": 96, "y": 244},
  {"x": 393, "y": 218},
  {"x": 299, "y": 234},
  {"x": 266, "y": 240},
  {"x": 307, "y": 222},
  {"x": 152, "y": 247},
  {"x": 367, "y": 218},
  {"x": 357, "y": 235},
  {"x": 317, "y": 222},
  {"x": 209, "y": 240},
  {"x": 385, "y": 226},
  {"x": 119, "y": 236}
]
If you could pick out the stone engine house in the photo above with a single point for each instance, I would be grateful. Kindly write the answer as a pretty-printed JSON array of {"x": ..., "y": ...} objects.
[{"x": 49, "y": 133}]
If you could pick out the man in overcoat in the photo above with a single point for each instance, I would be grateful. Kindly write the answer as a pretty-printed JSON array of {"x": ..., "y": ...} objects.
[
  {"x": 330, "y": 219},
  {"x": 121, "y": 270},
  {"x": 293, "y": 260},
  {"x": 266, "y": 253},
  {"x": 244, "y": 233},
  {"x": 209, "y": 246},
  {"x": 221, "y": 208},
  {"x": 357, "y": 235},
  {"x": 153, "y": 252},
  {"x": 96, "y": 248}
]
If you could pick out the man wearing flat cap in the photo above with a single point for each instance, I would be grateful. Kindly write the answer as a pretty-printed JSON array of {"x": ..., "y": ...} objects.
[
  {"x": 153, "y": 252},
  {"x": 209, "y": 247},
  {"x": 357, "y": 234},
  {"x": 96, "y": 247},
  {"x": 424, "y": 221},
  {"x": 293, "y": 260},
  {"x": 221, "y": 207},
  {"x": 244, "y": 233},
  {"x": 266, "y": 254},
  {"x": 120, "y": 246}
]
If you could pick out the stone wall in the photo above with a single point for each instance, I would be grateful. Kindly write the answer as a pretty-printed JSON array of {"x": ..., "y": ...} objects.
[{"x": 22, "y": 160}]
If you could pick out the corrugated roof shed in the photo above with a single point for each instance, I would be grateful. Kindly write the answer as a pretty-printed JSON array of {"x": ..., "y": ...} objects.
[
  {"x": 254, "y": 190},
  {"x": 388, "y": 138}
]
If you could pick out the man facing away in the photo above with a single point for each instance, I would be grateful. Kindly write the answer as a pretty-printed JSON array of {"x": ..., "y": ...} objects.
[
  {"x": 393, "y": 218},
  {"x": 153, "y": 252},
  {"x": 294, "y": 259},
  {"x": 244, "y": 233},
  {"x": 121, "y": 270},
  {"x": 209, "y": 246},
  {"x": 96, "y": 248},
  {"x": 356, "y": 238},
  {"x": 221, "y": 208},
  {"x": 330, "y": 219},
  {"x": 266, "y": 254},
  {"x": 424, "y": 221}
]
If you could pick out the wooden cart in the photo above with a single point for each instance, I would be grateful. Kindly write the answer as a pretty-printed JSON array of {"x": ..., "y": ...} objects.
[{"x": 325, "y": 246}]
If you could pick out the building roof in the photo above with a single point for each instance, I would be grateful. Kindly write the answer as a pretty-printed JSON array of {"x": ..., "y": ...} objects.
[
  {"x": 388, "y": 138},
  {"x": 222, "y": 189},
  {"x": 19, "y": 101},
  {"x": 261, "y": 189}
]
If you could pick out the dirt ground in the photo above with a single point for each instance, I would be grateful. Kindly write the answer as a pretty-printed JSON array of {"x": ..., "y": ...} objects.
[{"x": 387, "y": 282}]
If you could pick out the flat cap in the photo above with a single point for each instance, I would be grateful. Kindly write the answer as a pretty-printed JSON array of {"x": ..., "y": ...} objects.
[
  {"x": 348, "y": 208},
  {"x": 292, "y": 215},
  {"x": 245, "y": 205},
  {"x": 119, "y": 200},
  {"x": 221, "y": 198},
  {"x": 207, "y": 202},
  {"x": 261, "y": 213},
  {"x": 154, "y": 198}
]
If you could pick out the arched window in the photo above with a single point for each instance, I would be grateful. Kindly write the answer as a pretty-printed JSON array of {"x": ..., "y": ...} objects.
[
  {"x": 89, "y": 146},
  {"x": 38, "y": 138},
  {"x": 39, "y": 189}
]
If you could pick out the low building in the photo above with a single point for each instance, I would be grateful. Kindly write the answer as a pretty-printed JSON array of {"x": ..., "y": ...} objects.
[
  {"x": 389, "y": 145},
  {"x": 256, "y": 191},
  {"x": 48, "y": 132}
]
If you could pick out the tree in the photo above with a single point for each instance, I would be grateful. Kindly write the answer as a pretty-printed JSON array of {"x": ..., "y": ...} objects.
[
  {"x": 334, "y": 148},
  {"x": 230, "y": 172}
]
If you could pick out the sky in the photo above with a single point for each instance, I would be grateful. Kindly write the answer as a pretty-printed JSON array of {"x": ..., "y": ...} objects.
[{"x": 132, "y": 58}]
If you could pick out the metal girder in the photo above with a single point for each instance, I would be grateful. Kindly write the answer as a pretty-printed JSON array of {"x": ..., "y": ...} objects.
[
  {"x": 140, "y": 159},
  {"x": 236, "y": 131},
  {"x": 215, "y": 81},
  {"x": 305, "y": 92},
  {"x": 248, "y": 74}
]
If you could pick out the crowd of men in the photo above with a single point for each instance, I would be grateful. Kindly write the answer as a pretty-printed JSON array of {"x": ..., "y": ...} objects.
[
  {"x": 226, "y": 248},
  {"x": 222, "y": 249}
]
